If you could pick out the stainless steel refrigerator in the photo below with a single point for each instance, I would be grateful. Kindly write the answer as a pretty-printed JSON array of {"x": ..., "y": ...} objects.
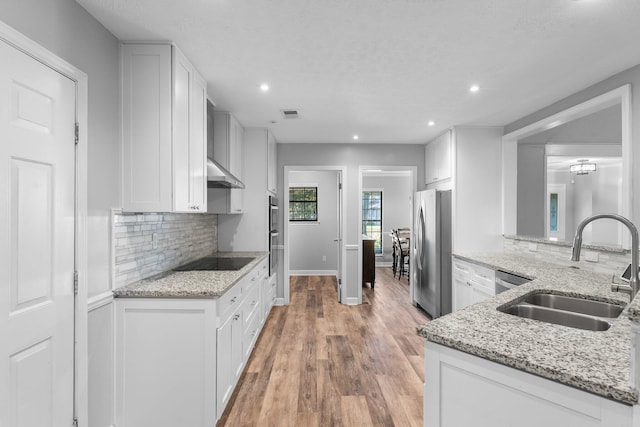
[{"x": 432, "y": 252}]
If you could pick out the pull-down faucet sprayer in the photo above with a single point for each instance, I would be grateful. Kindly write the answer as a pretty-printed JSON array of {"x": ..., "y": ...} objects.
[{"x": 632, "y": 287}]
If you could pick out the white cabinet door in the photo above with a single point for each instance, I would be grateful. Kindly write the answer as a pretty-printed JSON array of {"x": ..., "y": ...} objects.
[
  {"x": 461, "y": 292},
  {"x": 230, "y": 358},
  {"x": 198, "y": 145},
  {"x": 272, "y": 164},
  {"x": 165, "y": 362},
  {"x": 465, "y": 390},
  {"x": 164, "y": 131},
  {"x": 146, "y": 128},
  {"x": 438, "y": 159},
  {"x": 182, "y": 76},
  {"x": 480, "y": 293},
  {"x": 472, "y": 283},
  {"x": 189, "y": 137}
]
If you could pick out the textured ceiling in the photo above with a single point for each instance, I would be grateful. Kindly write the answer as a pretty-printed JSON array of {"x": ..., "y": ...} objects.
[{"x": 383, "y": 68}]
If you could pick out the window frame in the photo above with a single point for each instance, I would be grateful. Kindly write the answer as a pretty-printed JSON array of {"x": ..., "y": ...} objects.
[
  {"x": 362, "y": 225},
  {"x": 300, "y": 220}
]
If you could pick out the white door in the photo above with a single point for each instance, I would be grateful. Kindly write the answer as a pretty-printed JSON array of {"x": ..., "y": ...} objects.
[{"x": 37, "y": 220}]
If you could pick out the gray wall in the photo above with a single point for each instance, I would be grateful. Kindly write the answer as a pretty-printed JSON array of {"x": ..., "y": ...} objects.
[
  {"x": 531, "y": 195},
  {"x": 66, "y": 29},
  {"x": 310, "y": 242},
  {"x": 351, "y": 156},
  {"x": 630, "y": 76},
  {"x": 397, "y": 207}
]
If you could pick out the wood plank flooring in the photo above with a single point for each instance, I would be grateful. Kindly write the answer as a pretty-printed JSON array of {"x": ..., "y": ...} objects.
[{"x": 321, "y": 363}]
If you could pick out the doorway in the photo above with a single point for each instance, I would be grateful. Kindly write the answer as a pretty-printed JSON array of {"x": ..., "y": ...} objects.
[
  {"x": 43, "y": 250},
  {"x": 398, "y": 185},
  {"x": 313, "y": 216}
]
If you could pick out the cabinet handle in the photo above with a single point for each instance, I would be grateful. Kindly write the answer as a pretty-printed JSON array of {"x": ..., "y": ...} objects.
[
  {"x": 254, "y": 303},
  {"x": 236, "y": 317},
  {"x": 233, "y": 299},
  {"x": 468, "y": 284}
]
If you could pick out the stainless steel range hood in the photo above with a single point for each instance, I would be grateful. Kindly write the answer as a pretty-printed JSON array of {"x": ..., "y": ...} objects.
[{"x": 219, "y": 177}]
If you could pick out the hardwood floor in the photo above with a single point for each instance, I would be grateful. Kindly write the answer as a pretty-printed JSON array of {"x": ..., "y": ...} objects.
[{"x": 321, "y": 363}]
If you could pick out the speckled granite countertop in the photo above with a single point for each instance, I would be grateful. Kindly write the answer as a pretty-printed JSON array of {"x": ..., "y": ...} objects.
[
  {"x": 190, "y": 284},
  {"x": 598, "y": 362}
]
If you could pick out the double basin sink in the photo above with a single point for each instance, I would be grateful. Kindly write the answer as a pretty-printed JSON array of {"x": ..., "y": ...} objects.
[{"x": 565, "y": 310}]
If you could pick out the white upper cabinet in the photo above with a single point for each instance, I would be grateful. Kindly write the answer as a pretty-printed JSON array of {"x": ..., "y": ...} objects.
[
  {"x": 163, "y": 131},
  {"x": 272, "y": 164},
  {"x": 228, "y": 147},
  {"x": 437, "y": 160}
]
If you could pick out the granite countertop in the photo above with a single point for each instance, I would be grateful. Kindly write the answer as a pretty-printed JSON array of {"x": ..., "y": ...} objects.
[
  {"x": 598, "y": 362},
  {"x": 190, "y": 284}
]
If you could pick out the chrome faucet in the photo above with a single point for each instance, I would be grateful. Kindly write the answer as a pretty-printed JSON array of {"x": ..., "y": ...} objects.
[{"x": 632, "y": 287}]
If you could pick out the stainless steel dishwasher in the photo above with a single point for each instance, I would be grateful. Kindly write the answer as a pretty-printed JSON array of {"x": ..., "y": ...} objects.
[{"x": 506, "y": 281}]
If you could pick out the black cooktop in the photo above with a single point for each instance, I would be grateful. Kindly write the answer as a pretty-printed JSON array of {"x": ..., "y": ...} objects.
[{"x": 215, "y": 263}]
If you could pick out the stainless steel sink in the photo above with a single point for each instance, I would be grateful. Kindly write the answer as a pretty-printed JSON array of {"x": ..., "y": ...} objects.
[
  {"x": 558, "y": 317},
  {"x": 576, "y": 305}
]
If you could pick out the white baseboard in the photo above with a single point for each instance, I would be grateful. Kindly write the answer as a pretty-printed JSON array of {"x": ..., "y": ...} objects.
[
  {"x": 384, "y": 263},
  {"x": 351, "y": 301},
  {"x": 313, "y": 273},
  {"x": 279, "y": 301}
]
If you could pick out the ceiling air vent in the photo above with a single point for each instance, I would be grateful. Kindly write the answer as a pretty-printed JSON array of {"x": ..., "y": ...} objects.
[{"x": 290, "y": 114}]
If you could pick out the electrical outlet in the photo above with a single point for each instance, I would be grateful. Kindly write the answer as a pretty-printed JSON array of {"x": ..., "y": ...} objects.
[
  {"x": 591, "y": 256},
  {"x": 154, "y": 241},
  {"x": 533, "y": 247},
  {"x": 324, "y": 258}
]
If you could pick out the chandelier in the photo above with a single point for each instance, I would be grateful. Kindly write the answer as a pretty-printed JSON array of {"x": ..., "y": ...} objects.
[{"x": 583, "y": 167}]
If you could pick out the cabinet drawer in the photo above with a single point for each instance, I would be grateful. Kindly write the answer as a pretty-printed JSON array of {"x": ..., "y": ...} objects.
[
  {"x": 461, "y": 267},
  {"x": 485, "y": 277},
  {"x": 228, "y": 303},
  {"x": 250, "y": 308},
  {"x": 250, "y": 336}
]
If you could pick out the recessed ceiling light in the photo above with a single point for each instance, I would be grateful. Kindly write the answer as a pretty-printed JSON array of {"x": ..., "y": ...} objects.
[
  {"x": 431, "y": 123},
  {"x": 355, "y": 137},
  {"x": 264, "y": 87},
  {"x": 474, "y": 88}
]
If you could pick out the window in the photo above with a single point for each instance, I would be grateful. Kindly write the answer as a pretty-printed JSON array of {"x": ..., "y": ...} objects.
[
  {"x": 553, "y": 212},
  {"x": 303, "y": 203},
  {"x": 372, "y": 217}
]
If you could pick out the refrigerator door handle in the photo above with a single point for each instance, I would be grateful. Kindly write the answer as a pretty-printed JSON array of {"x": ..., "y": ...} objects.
[{"x": 419, "y": 243}]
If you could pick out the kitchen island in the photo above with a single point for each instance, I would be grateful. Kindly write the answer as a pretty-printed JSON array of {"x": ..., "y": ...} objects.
[
  {"x": 183, "y": 339},
  {"x": 551, "y": 372}
]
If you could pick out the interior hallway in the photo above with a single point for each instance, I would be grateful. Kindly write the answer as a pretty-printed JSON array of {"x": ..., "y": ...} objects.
[{"x": 321, "y": 363}]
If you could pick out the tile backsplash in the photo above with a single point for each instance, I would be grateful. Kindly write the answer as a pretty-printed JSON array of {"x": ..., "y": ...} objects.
[
  {"x": 609, "y": 261},
  {"x": 147, "y": 244}
]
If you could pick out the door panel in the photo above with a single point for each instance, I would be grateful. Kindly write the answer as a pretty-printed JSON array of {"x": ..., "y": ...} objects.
[{"x": 37, "y": 213}]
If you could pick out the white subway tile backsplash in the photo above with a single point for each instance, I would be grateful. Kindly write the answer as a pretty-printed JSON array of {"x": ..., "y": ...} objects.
[{"x": 180, "y": 238}]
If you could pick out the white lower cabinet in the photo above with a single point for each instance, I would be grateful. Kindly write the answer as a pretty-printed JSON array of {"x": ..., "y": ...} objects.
[
  {"x": 466, "y": 390},
  {"x": 165, "y": 362},
  {"x": 178, "y": 360},
  {"x": 472, "y": 283},
  {"x": 229, "y": 360}
]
